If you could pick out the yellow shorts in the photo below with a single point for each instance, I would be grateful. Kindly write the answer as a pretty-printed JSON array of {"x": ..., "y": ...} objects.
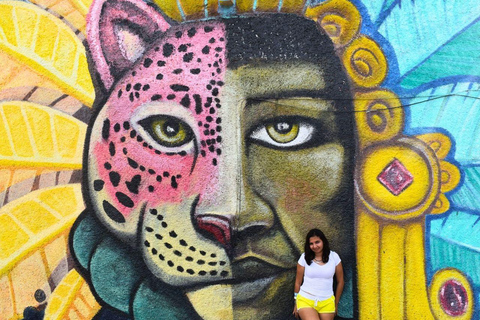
[{"x": 323, "y": 306}]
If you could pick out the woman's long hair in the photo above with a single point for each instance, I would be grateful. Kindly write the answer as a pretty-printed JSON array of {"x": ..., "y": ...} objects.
[{"x": 309, "y": 254}]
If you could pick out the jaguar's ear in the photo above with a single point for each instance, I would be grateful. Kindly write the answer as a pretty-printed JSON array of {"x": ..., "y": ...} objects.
[{"x": 118, "y": 33}]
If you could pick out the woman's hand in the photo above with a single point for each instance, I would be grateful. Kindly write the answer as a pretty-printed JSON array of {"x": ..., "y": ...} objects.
[{"x": 295, "y": 311}]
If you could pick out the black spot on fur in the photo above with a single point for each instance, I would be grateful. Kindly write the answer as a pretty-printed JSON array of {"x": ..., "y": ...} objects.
[
  {"x": 106, "y": 129},
  {"x": 213, "y": 273},
  {"x": 133, "y": 185},
  {"x": 182, "y": 48},
  {"x": 200, "y": 262},
  {"x": 133, "y": 133},
  {"x": 159, "y": 76},
  {"x": 178, "y": 87},
  {"x": 161, "y": 63},
  {"x": 180, "y": 269},
  {"x": 212, "y": 40},
  {"x": 185, "y": 101},
  {"x": 146, "y": 87},
  {"x": 126, "y": 125},
  {"x": 195, "y": 71},
  {"x": 178, "y": 34},
  {"x": 111, "y": 148},
  {"x": 137, "y": 86},
  {"x": 191, "y": 32},
  {"x": 130, "y": 97},
  {"x": 177, "y": 253},
  {"x": 190, "y": 271},
  {"x": 114, "y": 178},
  {"x": 107, "y": 166},
  {"x": 147, "y": 63},
  {"x": 156, "y": 97},
  {"x": 202, "y": 272},
  {"x": 206, "y": 50},
  {"x": 167, "y": 49},
  {"x": 159, "y": 178},
  {"x": 183, "y": 242},
  {"x": 124, "y": 199},
  {"x": 188, "y": 57},
  {"x": 173, "y": 234},
  {"x": 177, "y": 71},
  {"x": 166, "y": 174},
  {"x": 119, "y": 93},
  {"x": 171, "y": 97},
  {"x": 129, "y": 86},
  {"x": 113, "y": 212},
  {"x": 208, "y": 29},
  {"x": 218, "y": 49},
  {"x": 170, "y": 263},
  {"x": 224, "y": 273},
  {"x": 132, "y": 163},
  {"x": 98, "y": 185}
]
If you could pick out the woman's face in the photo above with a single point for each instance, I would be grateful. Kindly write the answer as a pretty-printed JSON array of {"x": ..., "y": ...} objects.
[{"x": 316, "y": 244}]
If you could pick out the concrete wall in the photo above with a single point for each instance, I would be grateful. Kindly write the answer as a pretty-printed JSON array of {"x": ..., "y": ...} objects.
[{"x": 166, "y": 160}]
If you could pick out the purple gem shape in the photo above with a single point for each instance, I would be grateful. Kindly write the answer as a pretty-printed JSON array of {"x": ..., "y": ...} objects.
[{"x": 395, "y": 177}]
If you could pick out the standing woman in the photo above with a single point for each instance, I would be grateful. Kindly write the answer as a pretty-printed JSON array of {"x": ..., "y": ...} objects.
[{"x": 316, "y": 267}]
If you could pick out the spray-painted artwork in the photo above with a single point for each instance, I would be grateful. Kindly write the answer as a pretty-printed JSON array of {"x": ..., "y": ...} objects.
[{"x": 165, "y": 159}]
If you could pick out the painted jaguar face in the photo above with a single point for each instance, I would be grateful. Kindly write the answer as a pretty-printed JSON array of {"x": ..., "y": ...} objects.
[{"x": 216, "y": 152}]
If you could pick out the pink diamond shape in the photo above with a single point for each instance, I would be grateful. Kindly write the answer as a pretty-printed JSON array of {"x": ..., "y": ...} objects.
[{"x": 395, "y": 177}]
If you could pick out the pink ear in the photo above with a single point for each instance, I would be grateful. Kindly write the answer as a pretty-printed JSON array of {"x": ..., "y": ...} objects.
[{"x": 118, "y": 32}]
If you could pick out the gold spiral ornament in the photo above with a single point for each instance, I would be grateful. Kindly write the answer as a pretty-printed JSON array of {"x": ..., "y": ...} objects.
[
  {"x": 365, "y": 62},
  {"x": 339, "y": 18},
  {"x": 379, "y": 116}
]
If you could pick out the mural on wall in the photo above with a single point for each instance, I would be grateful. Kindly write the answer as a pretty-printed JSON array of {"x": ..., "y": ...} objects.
[{"x": 165, "y": 160}]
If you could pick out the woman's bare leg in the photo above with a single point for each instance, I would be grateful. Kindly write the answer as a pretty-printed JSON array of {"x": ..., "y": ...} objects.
[
  {"x": 308, "y": 314},
  {"x": 326, "y": 316}
]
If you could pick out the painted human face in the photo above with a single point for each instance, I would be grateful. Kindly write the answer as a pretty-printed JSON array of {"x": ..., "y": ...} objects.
[{"x": 316, "y": 244}]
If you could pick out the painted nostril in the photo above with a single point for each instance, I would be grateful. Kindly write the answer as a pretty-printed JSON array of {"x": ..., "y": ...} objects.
[{"x": 218, "y": 226}]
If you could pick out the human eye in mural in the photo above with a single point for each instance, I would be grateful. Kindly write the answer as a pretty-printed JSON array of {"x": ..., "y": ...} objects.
[{"x": 219, "y": 134}]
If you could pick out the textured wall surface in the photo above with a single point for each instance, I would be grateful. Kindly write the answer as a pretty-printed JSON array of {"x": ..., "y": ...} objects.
[{"x": 165, "y": 160}]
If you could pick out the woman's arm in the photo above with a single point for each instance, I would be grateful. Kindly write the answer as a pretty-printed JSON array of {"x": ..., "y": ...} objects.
[
  {"x": 340, "y": 284},
  {"x": 298, "y": 283}
]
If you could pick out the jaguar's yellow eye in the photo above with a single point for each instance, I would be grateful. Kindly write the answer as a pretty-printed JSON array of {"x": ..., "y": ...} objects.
[
  {"x": 282, "y": 132},
  {"x": 168, "y": 131}
]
